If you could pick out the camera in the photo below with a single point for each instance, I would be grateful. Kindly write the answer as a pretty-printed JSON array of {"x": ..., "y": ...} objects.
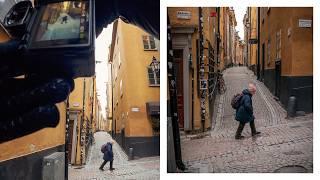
[{"x": 57, "y": 37}]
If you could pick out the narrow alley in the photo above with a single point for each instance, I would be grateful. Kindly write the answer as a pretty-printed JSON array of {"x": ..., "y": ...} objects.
[
  {"x": 144, "y": 168},
  {"x": 285, "y": 145}
]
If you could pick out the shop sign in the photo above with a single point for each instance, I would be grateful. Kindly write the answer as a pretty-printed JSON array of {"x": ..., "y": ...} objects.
[{"x": 183, "y": 14}]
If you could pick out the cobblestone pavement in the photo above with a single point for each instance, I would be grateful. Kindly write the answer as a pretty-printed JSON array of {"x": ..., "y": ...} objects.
[
  {"x": 283, "y": 142},
  {"x": 144, "y": 168}
]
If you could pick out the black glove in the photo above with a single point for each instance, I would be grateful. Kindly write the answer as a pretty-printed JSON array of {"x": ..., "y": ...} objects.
[{"x": 28, "y": 104}]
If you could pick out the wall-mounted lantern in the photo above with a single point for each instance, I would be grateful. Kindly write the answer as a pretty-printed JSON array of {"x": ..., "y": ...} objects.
[{"x": 155, "y": 64}]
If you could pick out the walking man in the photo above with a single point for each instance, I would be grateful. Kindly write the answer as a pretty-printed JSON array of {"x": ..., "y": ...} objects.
[
  {"x": 244, "y": 113},
  {"x": 106, "y": 149}
]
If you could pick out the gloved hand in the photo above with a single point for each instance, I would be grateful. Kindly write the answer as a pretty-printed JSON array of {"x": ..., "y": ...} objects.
[{"x": 28, "y": 104}]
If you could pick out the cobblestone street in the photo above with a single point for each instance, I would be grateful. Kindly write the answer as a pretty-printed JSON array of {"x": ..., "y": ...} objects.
[
  {"x": 282, "y": 143},
  {"x": 144, "y": 168}
]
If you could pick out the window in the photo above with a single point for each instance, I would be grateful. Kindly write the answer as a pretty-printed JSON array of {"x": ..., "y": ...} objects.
[
  {"x": 268, "y": 52},
  {"x": 121, "y": 92},
  {"x": 149, "y": 43},
  {"x": 119, "y": 59},
  {"x": 278, "y": 45},
  {"x": 154, "y": 77}
]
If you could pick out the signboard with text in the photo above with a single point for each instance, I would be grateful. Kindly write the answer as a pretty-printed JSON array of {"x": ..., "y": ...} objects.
[
  {"x": 183, "y": 14},
  {"x": 305, "y": 23}
]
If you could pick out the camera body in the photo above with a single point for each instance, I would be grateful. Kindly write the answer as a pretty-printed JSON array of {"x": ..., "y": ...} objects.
[{"x": 57, "y": 38}]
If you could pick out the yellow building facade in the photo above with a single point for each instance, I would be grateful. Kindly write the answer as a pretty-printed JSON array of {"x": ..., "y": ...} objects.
[
  {"x": 184, "y": 22},
  {"x": 252, "y": 29},
  {"x": 81, "y": 119},
  {"x": 135, "y": 90},
  {"x": 25, "y": 154},
  {"x": 286, "y": 54}
]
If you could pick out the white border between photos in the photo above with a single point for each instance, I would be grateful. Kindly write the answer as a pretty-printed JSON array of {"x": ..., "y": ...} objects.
[{"x": 163, "y": 89}]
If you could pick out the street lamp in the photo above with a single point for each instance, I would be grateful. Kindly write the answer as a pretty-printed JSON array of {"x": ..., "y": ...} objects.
[{"x": 155, "y": 64}]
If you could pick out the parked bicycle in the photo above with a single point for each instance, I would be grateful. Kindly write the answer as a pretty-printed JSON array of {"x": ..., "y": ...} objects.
[{"x": 221, "y": 85}]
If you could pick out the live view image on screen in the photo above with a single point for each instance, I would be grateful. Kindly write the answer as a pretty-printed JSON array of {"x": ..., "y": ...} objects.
[{"x": 64, "y": 21}]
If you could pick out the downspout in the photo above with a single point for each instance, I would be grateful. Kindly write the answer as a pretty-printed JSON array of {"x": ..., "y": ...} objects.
[
  {"x": 66, "y": 142},
  {"x": 218, "y": 40},
  {"x": 113, "y": 122},
  {"x": 201, "y": 71},
  {"x": 82, "y": 120},
  {"x": 173, "y": 100},
  {"x": 258, "y": 58}
]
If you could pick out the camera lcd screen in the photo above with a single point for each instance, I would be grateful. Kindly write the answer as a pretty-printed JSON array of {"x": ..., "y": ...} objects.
[{"x": 62, "y": 24}]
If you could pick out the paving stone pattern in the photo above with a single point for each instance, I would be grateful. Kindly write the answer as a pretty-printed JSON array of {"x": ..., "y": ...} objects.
[
  {"x": 283, "y": 142},
  {"x": 144, "y": 168}
]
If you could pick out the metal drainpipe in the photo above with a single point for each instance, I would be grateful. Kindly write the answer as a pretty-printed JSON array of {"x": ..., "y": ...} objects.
[
  {"x": 173, "y": 100},
  {"x": 113, "y": 122},
  {"x": 83, "y": 118},
  {"x": 66, "y": 142},
  {"x": 258, "y": 58},
  {"x": 201, "y": 71},
  {"x": 218, "y": 40}
]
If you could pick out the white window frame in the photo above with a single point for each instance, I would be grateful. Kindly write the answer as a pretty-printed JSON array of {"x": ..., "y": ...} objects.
[
  {"x": 119, "y": 58},
  {"x": 121, "y": 92},
  {"x": 149, "y": 43},
  {"x": 154, "y": 77}
]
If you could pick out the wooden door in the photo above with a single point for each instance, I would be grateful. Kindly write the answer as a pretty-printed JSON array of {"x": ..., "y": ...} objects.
[{"x": 178, "y": 62}]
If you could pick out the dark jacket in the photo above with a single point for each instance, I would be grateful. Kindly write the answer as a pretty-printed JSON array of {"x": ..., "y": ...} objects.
[
  {"x": 108, "y": 154},
  {"x": 245, "y": 112}
]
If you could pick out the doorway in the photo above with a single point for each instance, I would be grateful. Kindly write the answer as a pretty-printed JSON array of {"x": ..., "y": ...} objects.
[
  {"x": 72, "y": 141},
  {"x": 178, "y": 63}
]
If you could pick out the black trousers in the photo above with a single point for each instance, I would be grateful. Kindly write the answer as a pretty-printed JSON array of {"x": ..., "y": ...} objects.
[
  {"x": 105, "y": 162},
  {"x": 241, "y": 127}
]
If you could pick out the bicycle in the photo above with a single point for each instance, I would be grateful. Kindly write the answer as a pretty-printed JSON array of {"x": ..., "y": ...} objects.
[{"x": 221, "y": 84}]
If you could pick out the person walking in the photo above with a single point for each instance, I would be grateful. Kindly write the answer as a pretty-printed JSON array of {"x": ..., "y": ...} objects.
[
  {"x": 107, "y": 151},
  {"x": 244, "y": 113}
]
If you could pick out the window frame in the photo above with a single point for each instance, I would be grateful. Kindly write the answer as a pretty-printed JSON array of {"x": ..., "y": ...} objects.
[
  {"x": 149, "y": 43},
  {"x": 155, "y": 77}
]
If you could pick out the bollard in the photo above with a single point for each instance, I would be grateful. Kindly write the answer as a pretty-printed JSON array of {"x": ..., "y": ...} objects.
[
  {"x": 130, "y": 153},
  {"x": 292, "y": 107}
]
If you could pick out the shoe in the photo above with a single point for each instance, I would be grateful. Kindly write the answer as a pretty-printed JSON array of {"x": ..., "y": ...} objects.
[
  {"x": 239, "y": 137},
  {"x": 111, "y": 169},
  {"x": 101, "y": 169},
  {"x": 256, "y": 133}
]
